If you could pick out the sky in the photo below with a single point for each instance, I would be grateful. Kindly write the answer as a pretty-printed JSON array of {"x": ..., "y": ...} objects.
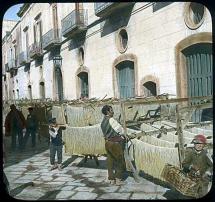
[{"x": 11, "y": 13}]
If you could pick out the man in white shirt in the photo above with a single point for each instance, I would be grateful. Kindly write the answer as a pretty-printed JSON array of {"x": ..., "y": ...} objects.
[{"x": 114, "y": 145}]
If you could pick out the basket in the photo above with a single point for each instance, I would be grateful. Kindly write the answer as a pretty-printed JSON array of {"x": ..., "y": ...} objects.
[{"x": 184, "y": 184}]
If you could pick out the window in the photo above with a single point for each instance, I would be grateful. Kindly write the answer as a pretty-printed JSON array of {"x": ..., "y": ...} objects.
[
  {"x": 55, "y": 20},
  {"x": 30, "y": 92},
  {"x": 194, "y": 15},
  {"x": 84, "y": 84},
  {"x": 42, "y": 90},
  {"x": 17, "y": 92},
  {"x": 38, "y": 29},
  {"x": 81, "y": 55},
  {"x": 149, "y": 89},
  {"x": 122, "y": 40}
]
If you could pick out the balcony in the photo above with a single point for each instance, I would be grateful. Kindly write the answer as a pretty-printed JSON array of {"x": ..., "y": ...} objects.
[
  {"x": 51, "y": 39},
  {"x": 24, "y": 58},
  {"x": 7, "y": 67},
  {"x": 36, "y": 50},
  {"x": 105, "y": 9},
  {"x": 74, "y": 23},
  {"x": 12, "y": 64}
]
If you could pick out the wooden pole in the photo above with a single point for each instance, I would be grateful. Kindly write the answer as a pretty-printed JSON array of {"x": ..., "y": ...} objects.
[
  {"x": 180, "y": 136},
  {"x": 126, "y": 154}
]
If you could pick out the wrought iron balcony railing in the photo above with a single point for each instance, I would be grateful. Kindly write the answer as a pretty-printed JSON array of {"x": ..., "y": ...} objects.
[
  {"x": 75, "y": 22},
  {"x": 24, "y": 57},
  {"x": 51, "y": 39},
  {"x": 105, "y": 9},
  {"x": 36, "y": 50},
  {"x": 12, "y": 64}
]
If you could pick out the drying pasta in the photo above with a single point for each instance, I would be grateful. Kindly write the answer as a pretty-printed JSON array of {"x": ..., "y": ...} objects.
[
  {"x": 152, "y": 159},
  {"x": 157, "y": 142},
  {"x": 84, "y": 140}
]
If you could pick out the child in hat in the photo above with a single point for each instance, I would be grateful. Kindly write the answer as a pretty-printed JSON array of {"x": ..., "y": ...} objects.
[{"x": 56, "y": 143}]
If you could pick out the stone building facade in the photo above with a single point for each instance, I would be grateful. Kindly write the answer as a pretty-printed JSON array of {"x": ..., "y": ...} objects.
[{"x": 113, "y": 49}]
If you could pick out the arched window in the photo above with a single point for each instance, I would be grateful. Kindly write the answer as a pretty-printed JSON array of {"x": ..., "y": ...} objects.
[
  {"x": 81, "y": 55},
  {"x": 30, "y": 92},
  {"x": 42, "y": 90},
  {"x": 17, "y": 94},
  {"x": 84, "y": 88},
  {"x": 59, "y": 84},
  {"x": 149, "y": 89}
]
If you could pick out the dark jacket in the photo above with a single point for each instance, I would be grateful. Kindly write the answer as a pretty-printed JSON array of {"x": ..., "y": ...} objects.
[
  {"x": 57, "y": 141},
  {"x": 200, "y": 161},
  {"x": 14, "y": 120},
  {"x": 31, "y": 122}
]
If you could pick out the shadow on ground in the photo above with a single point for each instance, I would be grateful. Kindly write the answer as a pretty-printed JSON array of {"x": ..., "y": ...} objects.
[
  {"x": 50, "y": 195},
  {"x": 20, "y": 188},
  {"x": 13, "y": 157},
  {"x": 92, "y": 163}
]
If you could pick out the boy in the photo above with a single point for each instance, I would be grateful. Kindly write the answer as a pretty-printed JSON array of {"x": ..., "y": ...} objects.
[
  {"x": 56, "y": 143},
  {"x": 198, "y": 163}
]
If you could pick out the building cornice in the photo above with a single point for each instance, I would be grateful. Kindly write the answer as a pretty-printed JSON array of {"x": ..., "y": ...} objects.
[{"x": 23, "y": 9}]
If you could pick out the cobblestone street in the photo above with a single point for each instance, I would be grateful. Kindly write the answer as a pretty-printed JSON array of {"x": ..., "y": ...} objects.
[{"x": 30, "y": 179}]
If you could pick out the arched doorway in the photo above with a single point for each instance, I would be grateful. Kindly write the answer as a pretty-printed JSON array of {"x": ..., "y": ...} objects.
[
  {"x": 125, "y": 79},
  {"x": 198, "y": 59}
]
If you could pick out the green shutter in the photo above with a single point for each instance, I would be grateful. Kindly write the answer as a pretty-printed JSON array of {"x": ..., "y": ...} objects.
[
  {"x": 199, "y": 73},
  {"x": 125, "y": 77}
]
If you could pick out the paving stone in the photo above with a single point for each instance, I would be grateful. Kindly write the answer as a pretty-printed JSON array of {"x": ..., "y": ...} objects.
[
  {"x": 18, "y": 180},
  {"x": 62, "y": 179},
  {"x": 109, "y": 189},
  {"x": 30, "y": 194},
  {"x": 144, "y": 196},
  {"x": 97, "y": 179},
  {"x": 124, "y": 196},
  {"x": 64, "y": 194},
  {"x": 68, "y": 188},
  {"x": 74, "y": 183},
  {"x": 87, "y": 189},
  {"x": 56, "y": 183},
  {"x": 12, "y": 177},
  {"x": 45, "y": 178},
  {"x": 84, "y": 196},
  {"x": 29, "y": 177}
]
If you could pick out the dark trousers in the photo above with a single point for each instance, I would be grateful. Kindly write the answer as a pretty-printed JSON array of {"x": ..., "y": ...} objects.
[
  {"x": 115, "y": 159},
  {"x": 32, "y": 132},
  {"x": 53, "y": 150},
  {"x": 14, "y": 134}
]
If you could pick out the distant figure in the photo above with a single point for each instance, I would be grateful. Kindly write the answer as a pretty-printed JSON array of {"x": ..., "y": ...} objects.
[
  {"x": 56, "y": 143},
  {"x": 14, "y": 125},
  {"x": 199, "y": 164},
  {"x": 31, "y": 127}
]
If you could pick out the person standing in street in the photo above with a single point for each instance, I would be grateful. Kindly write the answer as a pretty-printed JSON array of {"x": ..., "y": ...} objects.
[
  {"x": 31, "y": 127},
  {"x": 56, "y": 143},
  {"x": 114, "y": 144},
  {"x": 14, "y": 125}
]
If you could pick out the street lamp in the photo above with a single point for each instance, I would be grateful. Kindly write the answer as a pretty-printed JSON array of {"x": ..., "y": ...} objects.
[{"x": 57, "y": 60}]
